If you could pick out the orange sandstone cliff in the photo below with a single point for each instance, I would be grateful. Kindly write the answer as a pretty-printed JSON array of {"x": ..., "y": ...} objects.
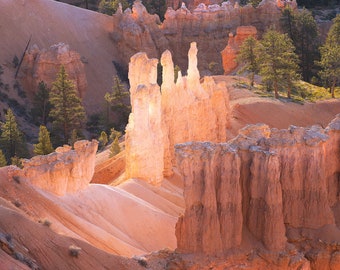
[{"x": 274, "y": 186}]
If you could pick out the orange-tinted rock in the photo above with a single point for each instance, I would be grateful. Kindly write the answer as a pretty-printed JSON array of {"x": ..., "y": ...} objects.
[
  {"x": 63, "y": 171},
  {"x": 187, "y": 110},
  {"x": 279, "y": 178},
  {"x": 230, "y": 52},
  {"x": 43, "y": 65},
  {"x": 136, "y": 30}
]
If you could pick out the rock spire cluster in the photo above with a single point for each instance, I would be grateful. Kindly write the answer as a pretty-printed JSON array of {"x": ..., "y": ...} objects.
[{"x": 181, "y": 111}]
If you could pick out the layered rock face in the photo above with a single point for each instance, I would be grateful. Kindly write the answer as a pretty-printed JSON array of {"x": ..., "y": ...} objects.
[
  {"x": 230, "y": 52},
  {"x": 265, "y": 181},
  {"x": 63, "y": 171},
  {"x": 187, "y": 110},
  {"x": 136, "y": 30},
  {"x": 43, "y": 65}
]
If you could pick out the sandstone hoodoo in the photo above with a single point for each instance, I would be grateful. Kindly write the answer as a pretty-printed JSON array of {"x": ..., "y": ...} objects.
[
  {"x": 135, "y": 30},
  {"x": 43, "y": 65},
  {"x": 272, "y": 183},
  {"x": 63, "y": 171},
  {"x": 230, "y": 52},
  {"x": 198, "y": 110}
]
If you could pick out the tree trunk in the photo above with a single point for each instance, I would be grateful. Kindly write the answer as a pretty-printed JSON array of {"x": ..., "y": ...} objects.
[
  {"x": 289, "y": 89},
  {"x": 333, "y": 89},
  {"x": 252, "y": 79},
  {"x": 276, "y": 90}
]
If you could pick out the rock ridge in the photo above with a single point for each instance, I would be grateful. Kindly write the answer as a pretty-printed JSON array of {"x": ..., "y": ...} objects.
[
  {"x": 265, "y": 181},
  {"x": 63, "y": 171}
]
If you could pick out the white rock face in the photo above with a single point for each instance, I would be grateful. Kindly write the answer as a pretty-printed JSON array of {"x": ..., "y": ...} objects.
[
  {"x": 63, "y": 171},
  {"x": 187, "y": 110}
]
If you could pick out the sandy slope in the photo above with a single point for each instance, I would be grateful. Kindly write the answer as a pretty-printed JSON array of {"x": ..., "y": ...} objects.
[{"x": 50, "y": 22}]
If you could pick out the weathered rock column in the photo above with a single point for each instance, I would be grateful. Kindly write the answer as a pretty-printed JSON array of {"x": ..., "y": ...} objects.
[{"x": 144, "y": 137}]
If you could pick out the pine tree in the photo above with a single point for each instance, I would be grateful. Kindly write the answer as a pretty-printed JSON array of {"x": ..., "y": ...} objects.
[
  {"x": 110, "y": 7},
  {"x": 247, "y": 56},
  {"x": 305, "y": 36},
  {"x": 103, "y": 140},
  {"x": 67, "y": 111},
  {"x": 41, "y": 104},
  {"x": 11, "y": 137},
  {"x": 115, "y": 148},
  {"x": 3, "y": 161},
  {"x": 117, "y": 100},
  {"x": 330, "y": 56},
  {"x": 277, "y": 60},
  {"x": 44, "y": 146}
]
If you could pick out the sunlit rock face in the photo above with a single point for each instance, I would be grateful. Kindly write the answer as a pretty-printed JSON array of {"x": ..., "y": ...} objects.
[
  {"x": 231, "y": 51},
  {"x": 181, "y": 111},
  {"x": 265, "y": 181},
  {"x": 63, "y": 171},
  {"x": 135, "y": 30},
  {"x": 44, "y": 65}
]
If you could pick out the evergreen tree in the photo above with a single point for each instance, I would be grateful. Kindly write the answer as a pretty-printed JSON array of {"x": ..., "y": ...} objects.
[
  {"x": 277, "y": 60},
  {"x": 247, "y": 56},
  {"x": 306, "y": 41},
  {"x": 16, "y": 161},
  {"x": 114, "y": 133},
  {"x": 44, "y": 146},
  {"x": 3, "y": 161},
  {"x": 67, "y": 111},
  {"x": 115, "y": 148},
  {"x": 110, "y": 7},
  {"x": 156, "y": 7},
  {"x": 117, "y": 100},
  {"x": 330, "y": 56},
  {"x": 41, "y": 104},
  {"x": 103, "y": 140},
  {"x": 11, "y": 137}
]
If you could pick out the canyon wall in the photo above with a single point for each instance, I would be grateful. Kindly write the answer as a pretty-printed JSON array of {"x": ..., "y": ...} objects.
[
  {"x": 266, "y": 182},
  {"x": 230, "y": 52},
  {"x": 44, "y": 65},
  {"x": 176, "y": 112},
  {"x": 135, "y": 30},
  {"x": 63, "y": 171}
]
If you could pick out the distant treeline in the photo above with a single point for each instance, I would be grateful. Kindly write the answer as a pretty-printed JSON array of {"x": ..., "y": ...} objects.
[{"x": 316, "y": 3}]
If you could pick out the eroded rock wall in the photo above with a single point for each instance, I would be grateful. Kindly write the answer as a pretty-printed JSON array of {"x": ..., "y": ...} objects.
[
  {"x": 188, "y": 110},
  {"x": 63, "y": 171},
  {"x": 135, "y": 30},
  {"x": 281, "y": 179},
  {"x": 44, "y": 65}
]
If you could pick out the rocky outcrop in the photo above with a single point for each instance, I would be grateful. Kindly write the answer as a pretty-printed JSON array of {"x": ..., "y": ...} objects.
[
  {"x": 63, "y": 171},
  {"x": 268, "y": 182},
  {"x": 136, "y": 30},
  {"x": 43, "y": 65},
  {"x": 230, "y": 52},
  {"x": 181, "y": 111},
  {"x": 191, "y": 4}
]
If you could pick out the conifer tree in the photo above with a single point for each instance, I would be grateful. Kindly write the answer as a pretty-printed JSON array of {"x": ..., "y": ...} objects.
[
  {"x": 67, "y": 111},
  {"x": 110, "y": 7},
  {"x": 277, "y": 60},
  {"x": 41, "y": 104},
  {"x": 117, "y": 100},
  {"x": 247, "y": 57},
  {"x": 3, "y": 161},
  {"x": 103, "y": 140},
  {"x": 115, "y": 148},
  {"x": 11, "y": 137},
  {"x": 330, "y": 56},
  {"x": 44, "y": 146}
]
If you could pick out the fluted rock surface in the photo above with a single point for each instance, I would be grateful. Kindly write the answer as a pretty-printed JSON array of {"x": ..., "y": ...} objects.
[
  {"x": 263, "y": 181},
  {"x": 187, "y": 110},
  {"x": 135, "y": 30},
  {"x": 63, "y": 171},
  {"x": 43, "y": 65}
]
